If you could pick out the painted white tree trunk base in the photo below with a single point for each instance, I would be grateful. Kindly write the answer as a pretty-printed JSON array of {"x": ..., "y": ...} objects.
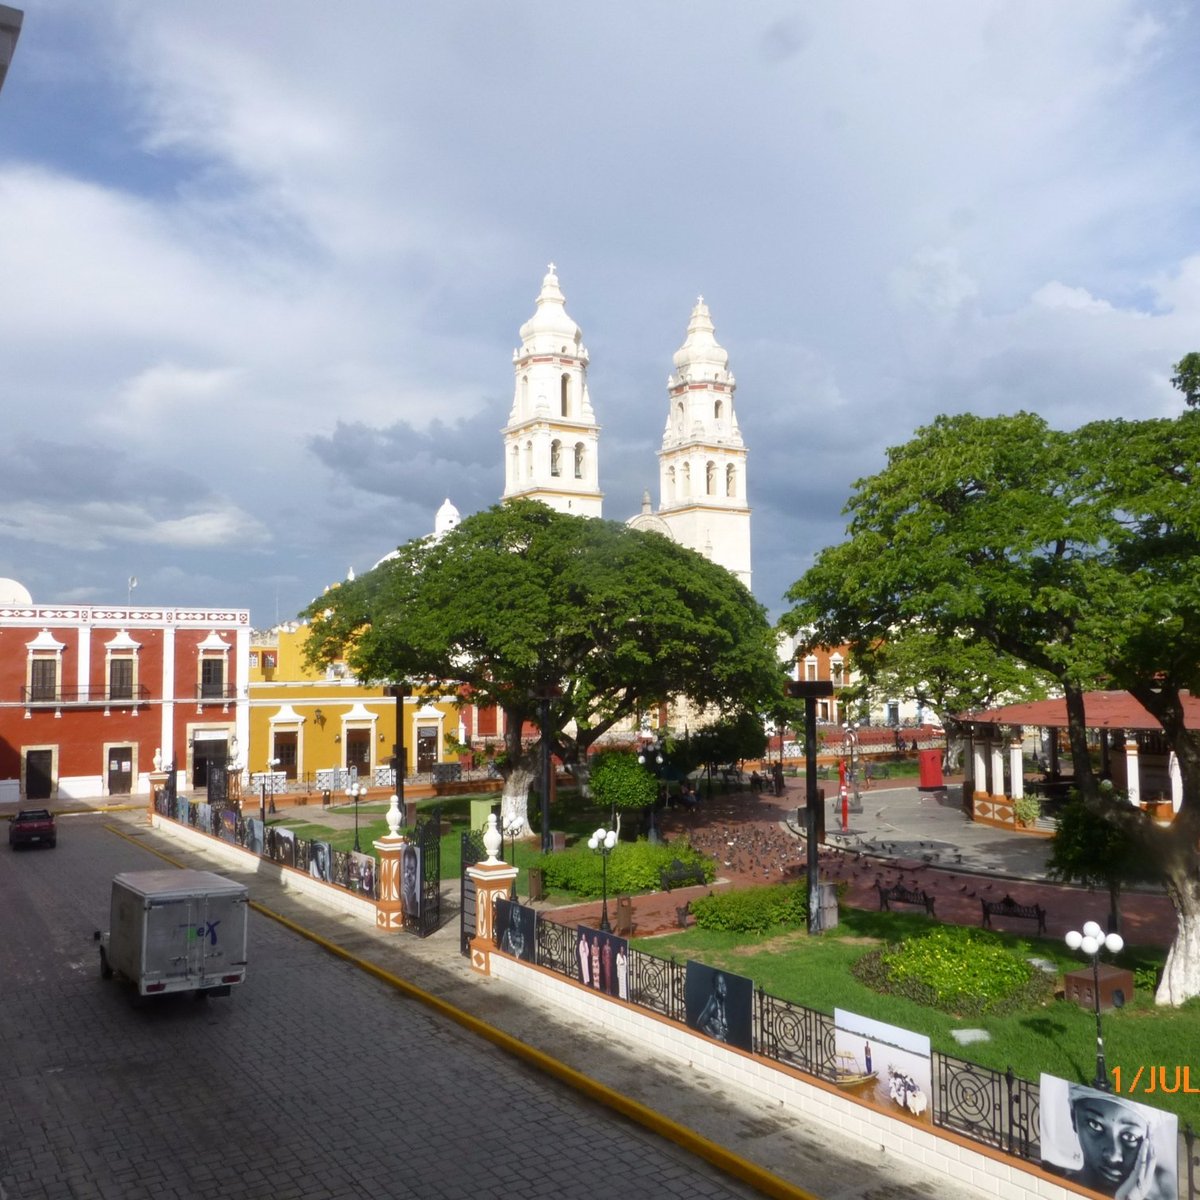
[
  {"x": 514, "y": 802},
  {"x": 1181, "y": 974}
]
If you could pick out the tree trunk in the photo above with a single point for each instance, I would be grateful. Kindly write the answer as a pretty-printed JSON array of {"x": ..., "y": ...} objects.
[
  {"x": 514, "y": 800},
  {"x": 1181, "y": 975}
]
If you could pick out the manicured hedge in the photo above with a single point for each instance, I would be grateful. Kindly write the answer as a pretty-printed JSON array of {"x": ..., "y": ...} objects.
[
  {"x": 632, "y": 867},
  {"x": 753, "y": 910}
]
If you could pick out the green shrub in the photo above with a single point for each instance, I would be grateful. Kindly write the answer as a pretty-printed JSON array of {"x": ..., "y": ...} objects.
[
  {"x": 618, "y": 780},
  {"x": 632, "y": 867},
  {"x": 957, "y": 970},
  {"x": 753, "y": 910}
]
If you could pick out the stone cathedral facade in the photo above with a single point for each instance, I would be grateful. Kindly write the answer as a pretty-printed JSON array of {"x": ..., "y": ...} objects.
[{"x": 552, "y": 438}]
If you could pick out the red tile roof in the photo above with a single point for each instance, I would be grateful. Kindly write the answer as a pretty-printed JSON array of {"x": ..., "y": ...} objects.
[{"x": 1102, "y": 710}]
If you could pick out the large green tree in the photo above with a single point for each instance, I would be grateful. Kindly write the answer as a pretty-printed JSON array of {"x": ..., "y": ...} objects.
[
  {"x": 1077, "y": 554},
  {"x": 525, "y": 605}
]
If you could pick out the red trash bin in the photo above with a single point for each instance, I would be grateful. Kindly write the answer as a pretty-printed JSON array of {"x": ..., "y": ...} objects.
[{"x": 931, "y": 768}]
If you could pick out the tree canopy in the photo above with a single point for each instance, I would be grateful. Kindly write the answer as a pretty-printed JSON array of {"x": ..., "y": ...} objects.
[
  {"x": 1076, "y": 554},
  {"x": 522, "y": 604}
]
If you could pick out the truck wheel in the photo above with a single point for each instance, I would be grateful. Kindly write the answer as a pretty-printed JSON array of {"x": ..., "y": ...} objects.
[{"x": 106, "y": 971}]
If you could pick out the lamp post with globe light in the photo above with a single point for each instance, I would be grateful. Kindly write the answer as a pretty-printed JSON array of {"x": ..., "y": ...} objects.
[
  {"x": 650, "y": 756},
  {"x": 603, "y": 841},
  {"x": 1091, "y": 941},
  {"x": 356, "y": 791}
]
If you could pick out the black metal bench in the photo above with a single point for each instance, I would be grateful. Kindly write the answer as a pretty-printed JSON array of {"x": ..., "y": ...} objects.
[
  {"x": 902, "y": 895},
  {"x": 680, "y": 874},
  {"x": 1008, "y": 907}
]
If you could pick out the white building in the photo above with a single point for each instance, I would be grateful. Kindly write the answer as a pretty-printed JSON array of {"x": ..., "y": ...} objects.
[
  {"x": 702, "y": 461},
  {"x": 551, "y": 441}
]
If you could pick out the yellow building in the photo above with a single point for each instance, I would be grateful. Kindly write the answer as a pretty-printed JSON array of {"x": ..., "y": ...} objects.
[{"x": 318, "y": 727}]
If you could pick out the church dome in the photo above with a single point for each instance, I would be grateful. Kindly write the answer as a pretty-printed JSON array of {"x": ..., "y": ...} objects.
[
  {"x": 701, "y": 356},
  {"x": 12, "y": 592},
  {"x": 447, "y": 518},
  {"x": 550, "y": 330}
]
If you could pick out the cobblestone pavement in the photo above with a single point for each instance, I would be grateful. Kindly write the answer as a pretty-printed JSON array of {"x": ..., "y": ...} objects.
[
  {"x": 312, "y": 1081},
  {"x": 310, "y": 1074},
  {"x": 310, "y": 1067}
]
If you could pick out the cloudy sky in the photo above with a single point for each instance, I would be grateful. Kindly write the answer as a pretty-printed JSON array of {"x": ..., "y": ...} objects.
[{"x": 262, "y": 264}]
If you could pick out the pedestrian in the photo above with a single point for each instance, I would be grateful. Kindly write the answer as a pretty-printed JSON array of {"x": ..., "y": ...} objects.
[{"x": 777, "y": 776}]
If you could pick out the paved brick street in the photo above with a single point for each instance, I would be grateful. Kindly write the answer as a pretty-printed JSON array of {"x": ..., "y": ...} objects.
[{"x": 311, "y": 1081}]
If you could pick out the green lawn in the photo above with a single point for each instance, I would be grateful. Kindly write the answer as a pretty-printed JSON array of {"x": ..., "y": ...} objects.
[{"x": 1058, "y": 1038}]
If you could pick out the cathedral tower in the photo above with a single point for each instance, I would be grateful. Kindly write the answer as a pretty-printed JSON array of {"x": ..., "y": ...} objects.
[
  {"x": 551, "y": 441},
  {"x": 702, "y": 463}
]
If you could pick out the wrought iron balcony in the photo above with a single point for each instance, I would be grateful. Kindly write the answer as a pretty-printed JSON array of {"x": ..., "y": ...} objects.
[{"x": 34, "y": 697}]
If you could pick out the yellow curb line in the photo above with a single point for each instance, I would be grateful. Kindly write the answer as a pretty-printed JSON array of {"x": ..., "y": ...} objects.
[{"x": 718, "y": 1156}]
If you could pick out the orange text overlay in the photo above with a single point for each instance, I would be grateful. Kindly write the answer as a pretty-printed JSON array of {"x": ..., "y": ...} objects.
[{"x": 1148, "y": 1079}]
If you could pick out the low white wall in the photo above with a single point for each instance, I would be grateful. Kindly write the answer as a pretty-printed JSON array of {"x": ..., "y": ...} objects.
[
  {"x": 290, "y": 878},
  {"x": 938, "y": 1150}
]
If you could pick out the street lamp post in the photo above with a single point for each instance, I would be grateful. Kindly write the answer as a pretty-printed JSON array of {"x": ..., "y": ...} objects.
[
  {"x": 650, "y": 757},
  {"x": 510, "y": 828},
  {"x": 810, "y": 691},
  {"x": 356, "y": 791},
  {"x": 272, "y": 763},
  {"x": 851, "y": 731},
  {"x": 1091, "y": 941},
  {"x": 602, "y": 842}
]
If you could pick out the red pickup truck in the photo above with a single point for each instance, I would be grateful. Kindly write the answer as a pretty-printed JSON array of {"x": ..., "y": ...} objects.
[{"x": 32, "y": 827}]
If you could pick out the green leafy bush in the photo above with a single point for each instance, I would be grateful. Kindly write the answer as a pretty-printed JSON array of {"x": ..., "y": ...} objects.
[
  {"x": 632, "y": 867},
  {"x": 618, "y": 780},
  {"x": 957, "y": 970},
  {"x": 753, "y": 910}
]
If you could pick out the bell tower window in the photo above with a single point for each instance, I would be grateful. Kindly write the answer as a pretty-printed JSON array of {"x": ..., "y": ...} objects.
[
  {"x": 710, "y": 478},
  {"x": 579, "y": 460},
  {"x": 730, "y": 480},
  {"x": 556, "y": 457},
  {"x": 564, "y": 395}
]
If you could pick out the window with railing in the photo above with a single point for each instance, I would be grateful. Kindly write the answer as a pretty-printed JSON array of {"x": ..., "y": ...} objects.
[
  {"x": 43, "y": 680},
  {"x": 120, "y": 679},
  {"x": 212, "y": 678}
]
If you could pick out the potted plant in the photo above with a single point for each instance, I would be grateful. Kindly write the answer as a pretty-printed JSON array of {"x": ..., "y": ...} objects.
[{"x": 1026, "y": 810}]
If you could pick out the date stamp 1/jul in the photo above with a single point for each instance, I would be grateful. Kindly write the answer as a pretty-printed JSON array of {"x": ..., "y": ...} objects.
[{"x": 1148, "y": 1079}]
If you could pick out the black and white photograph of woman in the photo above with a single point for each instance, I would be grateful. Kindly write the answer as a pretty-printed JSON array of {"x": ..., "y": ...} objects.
[
  {"x": 719, "y": 1005},
  {"x": 1108, "y": 1143},
  {"x": 517, "y": 924},
  {"x": 410, "y": 880}
]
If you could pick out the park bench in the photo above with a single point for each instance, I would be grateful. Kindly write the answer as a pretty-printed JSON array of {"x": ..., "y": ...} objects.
[
  {"x": 902, "y": 895},
  {"x": 680, "y": 874},
  {"x": 1008, "y": 907}
]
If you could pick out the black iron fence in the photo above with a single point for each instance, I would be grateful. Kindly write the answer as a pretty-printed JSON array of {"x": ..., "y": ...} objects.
[
  {"x": 995, "y": 1108},
  {"x": 354, "y": 872}
]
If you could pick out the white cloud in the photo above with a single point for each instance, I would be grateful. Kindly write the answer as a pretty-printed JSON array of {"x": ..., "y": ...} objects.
[{"x": 224, "y": 240}]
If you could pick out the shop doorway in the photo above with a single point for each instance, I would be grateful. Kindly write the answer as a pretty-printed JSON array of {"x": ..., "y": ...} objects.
[
  {"x": 39, "y": 774},
  {"x": 120, "y": 770}
]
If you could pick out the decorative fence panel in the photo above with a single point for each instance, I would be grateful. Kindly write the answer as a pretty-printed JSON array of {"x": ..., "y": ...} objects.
[{"x": 797, "y": 1036}]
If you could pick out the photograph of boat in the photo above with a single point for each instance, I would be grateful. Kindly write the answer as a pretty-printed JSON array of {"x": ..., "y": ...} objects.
[{"x": 848, "y": 1074}]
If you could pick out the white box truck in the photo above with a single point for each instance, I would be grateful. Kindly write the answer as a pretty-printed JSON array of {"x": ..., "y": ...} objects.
[{"x": 176, "y": 931}]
